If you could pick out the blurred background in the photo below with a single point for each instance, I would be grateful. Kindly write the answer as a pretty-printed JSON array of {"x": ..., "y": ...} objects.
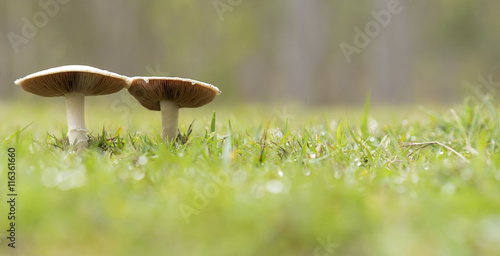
[{"x": 314, "y": 52}]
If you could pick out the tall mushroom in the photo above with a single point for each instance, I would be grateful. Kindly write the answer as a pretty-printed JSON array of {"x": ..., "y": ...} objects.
[
  {"x": 74, "y": 82},
  {"x": 168, "y": 94}
]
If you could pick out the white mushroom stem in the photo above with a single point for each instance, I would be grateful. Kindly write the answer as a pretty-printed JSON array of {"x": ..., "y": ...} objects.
[
  {"x": 75, "y": 112},
  {"x": 169, "y": 119}
]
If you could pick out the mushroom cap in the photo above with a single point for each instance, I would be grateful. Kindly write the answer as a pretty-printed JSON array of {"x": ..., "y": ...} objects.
[
  {"x": 186, "y": 93},
  {"x": 73, "y": 79}
]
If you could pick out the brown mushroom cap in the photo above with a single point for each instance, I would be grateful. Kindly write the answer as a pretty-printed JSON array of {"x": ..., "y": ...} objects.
[
  {"x": 73, "y": 79},
  {"x": 186, "y": 93}
]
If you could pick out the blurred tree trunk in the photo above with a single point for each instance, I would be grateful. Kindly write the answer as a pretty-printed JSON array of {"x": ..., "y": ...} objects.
[
  {"x": 10, "y": 59},
  {"x": 5, "y": 58},
  {"x": 116, "y": 24},
  {"x": 391, "y": 57},
  {"x": 7, "y": 52},
  {"x": 108, "y": 31},
  {"x": 301, "y": 48}
]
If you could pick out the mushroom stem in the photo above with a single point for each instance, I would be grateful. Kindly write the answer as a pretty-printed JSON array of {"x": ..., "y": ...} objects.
[
  {"x": 75, "y": 112},
  {"x": 169, "y": 119}
]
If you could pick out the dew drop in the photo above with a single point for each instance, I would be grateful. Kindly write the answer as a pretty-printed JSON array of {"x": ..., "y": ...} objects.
[
  {"x": 143, "y": 160},
  {"x": 448, "y": 189},
  {"x": 280, "y": 173},
  {"x": 138, "y": 174},
  {"x": 274, "y": 186}
]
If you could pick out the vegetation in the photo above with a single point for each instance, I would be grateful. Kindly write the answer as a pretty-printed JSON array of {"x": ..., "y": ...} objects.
[
  {"x": 256, "y": 179},
  {"x": 262, "y": 50},
  {"x": 242, "y": 184}
]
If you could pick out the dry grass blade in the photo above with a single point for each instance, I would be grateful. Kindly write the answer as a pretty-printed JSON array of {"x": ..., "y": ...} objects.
[
  {"x": 263, "y": 147},
  {"x": 421, "y": 145},
  {"x": 183, "y": 138}
]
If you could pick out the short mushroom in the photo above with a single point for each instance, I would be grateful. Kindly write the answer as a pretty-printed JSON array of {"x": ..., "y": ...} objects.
[
  {"x": 74, "y": 82},
  {"x": 168, "y": 94}
]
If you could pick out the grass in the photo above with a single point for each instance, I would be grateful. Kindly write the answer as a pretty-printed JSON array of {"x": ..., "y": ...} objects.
[{"x": 255, "y": 182}]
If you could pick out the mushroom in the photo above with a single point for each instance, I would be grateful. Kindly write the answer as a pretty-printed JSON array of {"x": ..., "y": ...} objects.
[
  {"x": 168, "y": 94},
  {"x": 74, "y": 82}
]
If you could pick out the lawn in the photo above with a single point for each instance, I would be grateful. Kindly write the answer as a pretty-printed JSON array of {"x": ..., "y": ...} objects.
[{"x": 255, "y": 180}]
